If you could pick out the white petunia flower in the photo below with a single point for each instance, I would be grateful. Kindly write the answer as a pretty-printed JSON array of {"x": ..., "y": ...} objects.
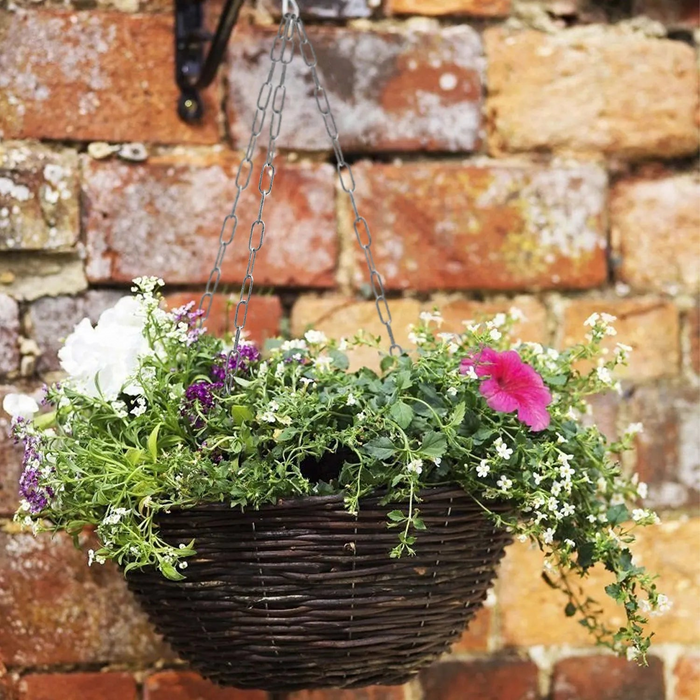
[{"x": 20, "y": 406}]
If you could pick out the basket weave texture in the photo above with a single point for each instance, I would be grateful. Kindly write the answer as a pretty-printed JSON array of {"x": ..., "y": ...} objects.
[{"x": 303, "y": 594}]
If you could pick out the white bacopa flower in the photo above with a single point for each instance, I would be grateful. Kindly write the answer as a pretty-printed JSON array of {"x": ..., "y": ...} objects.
[
  {"x": 663, "y": 604},
  {"x": 323, "y": 363},
  {"x": 140, "y": 407},
  {"x": 570, "y": 543},
  {"x": 560, "y": 439},
  {"x": 495, "y": 334},
  {"x": 522, "y": 538},
  {"x": 483, "y": 469},
  {"x": 632, "y": 653},
  {"x": 605, "y": 375},
  {"x": 567, "y": 509},
  {"x": 502, "y": 450},
  {"x": 351, "y": 401},
  {"x": 642, "y": 489},
  {"x": 552, "y": 503},
  {"x": 639, "y": 514},
  {"x": 556, "y": 488},
  {"x": 644, "y": 605},
  {"x": 452, "y": 391},
  {"x": 470, "y": 373},
  {"x": 416, "y": 466},
  {"x": 499, "y": 320},
  {"x": 437, "y": 461},
  {"x": 306, "y": 381},
  {"x": 566, "y": 472},
  {"x": 20, "y": 406},
  {"x": 361, "y": 415},
  {"x": 294, "y": 344},
  {"x": 592, "y": 320},
  {"x": 548, "y": 536},
  {"x": 592, "y": 518},
  {"x": 342, "y": 344},
  {"x": 516, "y": 314},
  {"x": 268, "y": 417},
  {"x": 539, "y": 478},
  {"x": 315, "y": 337},
  {"x": 608, "y": 318},
  {"x": 634, "y": 429},
  {"x": 622, "y": 350},
  {"x": 504, "y": 483},
  {"x": 434, "y": 317},
  {"x": 417, "y": 338}
]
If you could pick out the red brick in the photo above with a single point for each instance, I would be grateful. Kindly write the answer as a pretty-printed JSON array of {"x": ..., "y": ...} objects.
[
  {"x": 693, "y": 323},
  {"x": 374, "y": 692},
  {"x": 264, "y": 314},
  {"x": 656, "y": 226},
  {"x": 483, "y": 225},
  {"x": 184, "y": 685},
  {"x": 52, "y": 319},
  {"x": 93, "y": 76},
  {"x": 608, "y": 678},
  {"x": 9, "y": 335},
  {"x": 478, "y": 8},
  {"x": 164, "y": 218},
  {"x": 78, "y": 686},
  {"x": 580, "y": 91},
  {"x": 687, "y": 676},
  {"x": 38, "y": 198},
  {"x": 605, "y": 413},
  {"x": 56, "y": 610},
  {"x": 408, "y": 90},
  {"x": 342, "y": 317},
  {"x": 650, "y": 326},
  {"x": 668, "y": 451},
  {"x": 673, "y": 13},
  {"x": 533, "y": 327},
  {"x": 478, "y": 634},
  {"x": 495, "y": 679}
]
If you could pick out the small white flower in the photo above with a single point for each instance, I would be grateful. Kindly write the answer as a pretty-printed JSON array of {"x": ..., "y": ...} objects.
[
  {"x": 502, "y": 450},
  {"x": 343, "y": 345},
  {"x": 140, "y": 408},
  {"x": 435, "y": 317},
  {"x": 416, "y": 466},
  {"x": 605, "y": 375},
  {"x": 452, "y": 391},
  {"x": 182, "y": 565},
  {"x": 639, "y": 514},
  {"x": 361, "y": 415},
  {"x": 471, "y": 373},
  {"x": 437, "y": 461},
  {"x": 556, "y": 488},
  {"x": 504, "y": 483},
  {"x": 560, "y": 439},
  {"x": 552, "y": 503},
  {"x": 20, "y": 406},
  {"x": 306, "y": 381},
  {"x": 483, "y": 469},
  {"x": 592, "y": 320},
  {"x": 566, "y": 472},
  {"x": 417, "y": 338},
  {"x": 592, "y": 518},
  {"x": 567, "y": 509},
  {"x": 570, "y": 543},
  {"x": 522, "y": 538},
  {"x": 632, "y": 653},
  {"x": 644, "y": 605},
  {"x": 548, "y": 536},
  {"x": 295, "y": 344},
  {"x": 539, "y": 478},
  {"x": 499, "y": 320},
  {"x": 352, "y": 401},
  {"x": 268, "y": 417},
  {"x": 315, "y": 337},
  {"x": 608, "y": 318},
  {"x": 516, "y": 314},
  {"x": 634, "y": 429},
  {"x": 642, "y": 489},
  {"x": 495, "y": 334},
  {"x": 323, "y": 363},
  {"x": 663, "y": 604}
]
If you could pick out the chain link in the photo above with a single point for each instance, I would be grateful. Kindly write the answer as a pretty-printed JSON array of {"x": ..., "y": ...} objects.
[
  {"x": 347, "y": 182},
  {"x": 272, "y": 97}
]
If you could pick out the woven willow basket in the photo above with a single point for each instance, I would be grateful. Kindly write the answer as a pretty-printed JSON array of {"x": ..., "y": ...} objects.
[{"x": 304, "y": 595}]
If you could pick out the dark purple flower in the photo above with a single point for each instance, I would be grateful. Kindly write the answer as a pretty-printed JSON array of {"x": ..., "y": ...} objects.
[
  {"x": 199, "y": 399},
  {"x": 240, "y": 361}
]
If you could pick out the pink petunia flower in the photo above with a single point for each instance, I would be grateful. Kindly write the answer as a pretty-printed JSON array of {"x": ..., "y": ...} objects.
[{"x": 510, "y": 385}]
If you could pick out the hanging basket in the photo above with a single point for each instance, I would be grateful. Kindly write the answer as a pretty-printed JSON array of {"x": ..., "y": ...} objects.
[{"x": 303, "y": 594}]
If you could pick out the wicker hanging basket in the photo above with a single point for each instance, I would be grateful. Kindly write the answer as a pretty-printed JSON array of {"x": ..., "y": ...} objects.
[{"x": 303, "y": 594}]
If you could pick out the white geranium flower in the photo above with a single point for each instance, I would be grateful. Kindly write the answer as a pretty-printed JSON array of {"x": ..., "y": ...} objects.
[
  {"x": 20, "y": 406},
  {"x": 102, "y": 360}
]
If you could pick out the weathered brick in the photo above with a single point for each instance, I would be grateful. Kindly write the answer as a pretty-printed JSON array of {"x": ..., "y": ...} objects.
[
  {"x": 580, "y": 91},
  {"x": 668, "y": 451},
  {"x": 607, "y": 678},
  {"x": 78, "y": 686},
  {"x": 326, "y": 9},
  {"x": 93, "y": 76},
  {"x": 648, "y": 325},
  {"x": 38, "y": 198},
  {"x": 52, "y": 319},
  {"x": 533, "y": 327},
  {"x": 9, "y": 335},
  {"x": 340, "y": 317},
  {"x": 478, "y": 8},
  {"x": 656, "y": 227},
  {"x": 533, "y": 614},
  {"x": 10, "y": 458},
  {"x": 6, "y": 689},
  {"x": 693, "y": 329},
  {"x": 495, "y": 679},
  {"x": 29, "y": 277},
  {"x": 605, "y": 413},
  {"x": 264, "y": 314},
  {"x": 483, "y": 225},
  {"x": 478, "y": 634},
  {"x": 164, "y": 218},
  {"x": 687, "y": 677},
  {"x": 673, "y": 13},
  {"x": 185, "y": 685},
  {"x": 404, "y": 90},
  {"x": 374, "y": 692},
  {"x": 45, "y": 586}
]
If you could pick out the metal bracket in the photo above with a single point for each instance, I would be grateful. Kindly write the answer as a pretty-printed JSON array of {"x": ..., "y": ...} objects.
[{"x": 195, "y": 69}]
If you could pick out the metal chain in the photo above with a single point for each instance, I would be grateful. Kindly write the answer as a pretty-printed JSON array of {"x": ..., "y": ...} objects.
[
  {"x": 245, "y": 169},
  {"x": 347, "y": 182}
]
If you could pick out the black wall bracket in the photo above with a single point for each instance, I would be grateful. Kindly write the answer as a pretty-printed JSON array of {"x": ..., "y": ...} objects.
[{"x": 195, "y": 64}]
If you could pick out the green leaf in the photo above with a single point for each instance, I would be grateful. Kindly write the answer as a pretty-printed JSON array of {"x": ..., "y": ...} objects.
[
  {"x": 402, "y": 413},
  {"x": 585, "y": 554},
  {"x": 240, "y": 414},
  {"x": 558, "y": 380},
  {"x": 617, "y": 514},
  {"x": 134, "y": 456},
  {"x": 403, "y": 380},
  {"x": 241, "y": 382},
  {"x": 459, "y": 413},
  {"x": 418, "y": 523},
  {"x": 434, "y": 444},
  {"x": 614, "y": 590},
  {"x": 287, "y": 434},
  {"x": 380, "y": 448},
  {"x": 45, "y": 420},
  {"x": 152, "y": 442},
  {"x": 570, "y": 610},
  {"x": 340, "y": 359},
  {"x": 387, "y": 363},
  {"x": 169, "y": 571},
  {"x": 396, "y": 516}
]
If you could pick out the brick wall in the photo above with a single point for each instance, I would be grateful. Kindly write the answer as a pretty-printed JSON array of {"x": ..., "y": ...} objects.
[{"x": 542, "y": 152}]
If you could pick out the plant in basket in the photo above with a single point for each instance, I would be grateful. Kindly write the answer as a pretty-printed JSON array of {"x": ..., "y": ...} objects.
[{"x": 347, "y": 521}]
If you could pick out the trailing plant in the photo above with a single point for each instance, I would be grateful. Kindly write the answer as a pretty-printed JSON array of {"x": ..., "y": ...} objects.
[{"x": 144, "y": 423}]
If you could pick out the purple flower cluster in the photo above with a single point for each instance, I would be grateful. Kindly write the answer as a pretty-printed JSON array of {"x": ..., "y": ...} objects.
[
  {"x": 247, "y": 354},
  {"x": 31, "y": 489},
  {"x": 185, "y": 314}
]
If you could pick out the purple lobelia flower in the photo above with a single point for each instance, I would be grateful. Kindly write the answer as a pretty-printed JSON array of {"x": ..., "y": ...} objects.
[{"x": 36, "y": 494}]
